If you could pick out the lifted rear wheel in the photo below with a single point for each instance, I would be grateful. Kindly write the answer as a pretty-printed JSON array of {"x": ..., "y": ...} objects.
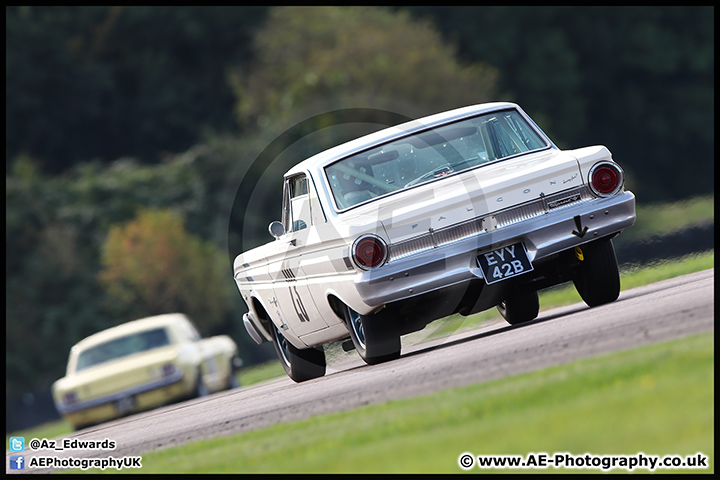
[
  {"x": 598, "y": 279},
  {"x": 299, "y": 364}
]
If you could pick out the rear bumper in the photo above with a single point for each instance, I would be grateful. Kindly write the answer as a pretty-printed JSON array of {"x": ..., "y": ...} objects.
[
  {"x": 252, "y": 330},
  {"x": 455, "y": 263}
]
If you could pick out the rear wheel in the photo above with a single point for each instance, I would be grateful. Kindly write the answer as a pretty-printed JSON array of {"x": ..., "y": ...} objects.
[
  {"x": 520, "y": 308},
  {"x": 299, "y": 364},
  {"x": 376, "y": 339},
  {"x": 598, "y": 279}
]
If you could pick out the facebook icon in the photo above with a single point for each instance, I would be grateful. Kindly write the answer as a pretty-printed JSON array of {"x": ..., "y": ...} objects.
[{"x": 17, "y": 462}]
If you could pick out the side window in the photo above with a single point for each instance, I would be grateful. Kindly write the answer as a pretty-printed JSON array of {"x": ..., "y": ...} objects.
[
  {"x": 187, "y": 331},
  {"x": 296, "y": 204},
  {"x": 192, "y": 333}
]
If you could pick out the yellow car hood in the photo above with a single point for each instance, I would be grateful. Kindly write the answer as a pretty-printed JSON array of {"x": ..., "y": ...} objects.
[{"x": 117, "y": 375}]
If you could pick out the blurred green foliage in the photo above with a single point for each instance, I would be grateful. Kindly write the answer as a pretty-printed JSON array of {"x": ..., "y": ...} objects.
[
  {"x": 110, "y": 110},
  {"x": 328, "y": 58},
  {"x": 638, "y": 79},
  {"x": 87, "y": 83},
  {"x": 104, "y": 82},
  {"x": 55, "y": 231}
]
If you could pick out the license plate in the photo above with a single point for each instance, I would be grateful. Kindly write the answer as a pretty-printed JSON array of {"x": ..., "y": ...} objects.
[
  {"x": 506, "y": 262},
  {"x": 124, "y": 405}
]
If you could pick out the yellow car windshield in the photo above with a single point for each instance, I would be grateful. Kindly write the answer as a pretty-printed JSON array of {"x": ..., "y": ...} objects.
[{"x": 122, "y": 347}]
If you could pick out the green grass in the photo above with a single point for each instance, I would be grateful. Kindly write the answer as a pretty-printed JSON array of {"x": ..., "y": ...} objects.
[
  {"x": 664, "y": 218},
  {"x": 259, "y": 373},
  {"x": 637, "y": 276},
  {"x": 657, "y": 400},
  {"x": 634, "y": 276},
  {"x": 47, "y": 430}
]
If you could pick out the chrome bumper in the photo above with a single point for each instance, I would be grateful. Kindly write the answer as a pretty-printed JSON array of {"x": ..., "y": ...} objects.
[
  {"x": 252, "y": 330},
  {"x": 175, "y": 377},
  {"x": 455, "y": 263}
]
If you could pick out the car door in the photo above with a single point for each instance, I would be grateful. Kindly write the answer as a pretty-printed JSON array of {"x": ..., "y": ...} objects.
[
  {"x": 292, "y": 295},
  {"x": 209, "y": 369}
]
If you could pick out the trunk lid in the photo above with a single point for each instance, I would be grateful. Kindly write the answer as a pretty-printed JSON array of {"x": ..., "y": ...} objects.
[{"x": 477, "y": 193}]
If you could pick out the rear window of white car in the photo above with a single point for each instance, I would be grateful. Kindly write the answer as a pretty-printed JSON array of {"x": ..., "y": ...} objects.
[
  {"x": 122, "y": 347},
  {"x": 430, "y": 155}
]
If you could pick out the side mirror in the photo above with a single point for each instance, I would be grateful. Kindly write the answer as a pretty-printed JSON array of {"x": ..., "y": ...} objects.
[{"x": 276, "y": 229}]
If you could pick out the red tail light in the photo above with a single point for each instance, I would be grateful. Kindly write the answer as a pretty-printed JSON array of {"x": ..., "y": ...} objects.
[
  {"x": 606, "y": 179},
  {"x": 369, "y": 251}
]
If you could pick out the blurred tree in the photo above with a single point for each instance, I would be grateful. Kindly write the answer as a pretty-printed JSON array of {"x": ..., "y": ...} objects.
[
  {"x": 52, "y": 297},
  {"x": 56, "y": 227},
  {"x": 103, "y": 82},
  {"x": 152, "y": 264},
  {"x": 637, "y": 79},
  {"x": 314, "y": 59}
]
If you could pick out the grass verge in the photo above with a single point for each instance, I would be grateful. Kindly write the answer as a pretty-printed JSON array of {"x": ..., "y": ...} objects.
[
  {"x": 664, "y": 218},
  {"x": 657, "y": 400}
]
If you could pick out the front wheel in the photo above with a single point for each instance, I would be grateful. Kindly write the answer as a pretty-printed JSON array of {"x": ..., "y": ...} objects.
[
  {"x": 201, "y": 390},
  {"x": 520, "y": 308},
  {"x": 299, "y": 364},
  {"x": 598, "y": 279},
  {"x": 376, "y": 339},
  {"x": 233, "y": 381}
]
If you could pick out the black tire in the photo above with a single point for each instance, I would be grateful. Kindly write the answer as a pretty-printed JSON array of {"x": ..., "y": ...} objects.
[
  {"x": 520, "y": 308},
  {"x": 299, "y": 364},
  {"x": 597, "y": 279},
  {"x": 83, "y": 426},
  {"x": 233, "y": 381},
  {"x": 201, "y": 389},
  {"x": 376, "y": 339}
]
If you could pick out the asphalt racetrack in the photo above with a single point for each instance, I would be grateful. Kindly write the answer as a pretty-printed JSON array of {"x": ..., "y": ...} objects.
[{"x": 661, "y": 311}]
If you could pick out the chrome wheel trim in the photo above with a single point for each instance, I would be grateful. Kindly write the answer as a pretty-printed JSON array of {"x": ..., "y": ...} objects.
[
  {"x": 357, "y": 326},
  {"x": 502, "y": 308},
  {"x": 283, "y": 347}
]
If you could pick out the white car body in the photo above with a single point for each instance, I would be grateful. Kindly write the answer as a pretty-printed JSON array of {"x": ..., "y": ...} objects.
[{"x": 504, "y": 187}]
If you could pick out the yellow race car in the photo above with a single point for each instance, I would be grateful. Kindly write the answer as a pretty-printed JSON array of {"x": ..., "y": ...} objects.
[{"x": 140, "y": 365}]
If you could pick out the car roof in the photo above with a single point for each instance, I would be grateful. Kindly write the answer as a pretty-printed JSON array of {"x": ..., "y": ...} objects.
[
  {"x": 128, "y": 328},
  {"x": 330, "y": 155}
]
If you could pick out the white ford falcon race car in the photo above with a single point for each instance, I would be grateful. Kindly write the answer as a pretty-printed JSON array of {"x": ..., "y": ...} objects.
[{"x": 457, "y": 212}]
